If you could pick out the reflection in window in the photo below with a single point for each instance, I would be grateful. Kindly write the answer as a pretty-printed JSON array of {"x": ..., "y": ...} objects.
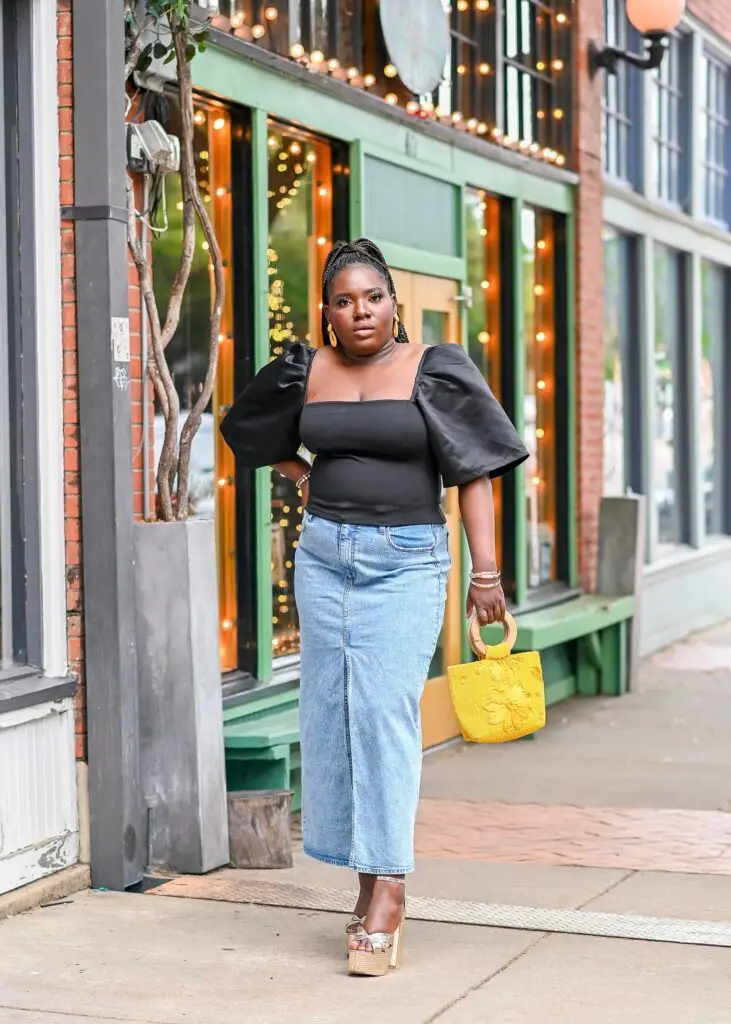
[
  {"x": 537, "y": 79},
  {"x": 714, "y": 122},
  {"x": 212, "y": 490},
  {"x": 621, "y": 92},
  {"x": 668, "y": 320},
  {"x": 616, "y": 309},
  {"x": 668, "y": 126},
  {"x": 484, "y": 315},
  {"x": 539, "y": 402},
  {"x": 301, "y": 181},
  {"x": 714, "y": 291}
]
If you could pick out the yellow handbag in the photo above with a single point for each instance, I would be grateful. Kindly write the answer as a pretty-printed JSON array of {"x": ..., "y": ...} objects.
[{"x": 501, "y": 696}]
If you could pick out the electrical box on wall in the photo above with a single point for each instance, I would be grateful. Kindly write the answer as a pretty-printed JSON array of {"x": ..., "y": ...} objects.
[{"x": 150, "y": 150}]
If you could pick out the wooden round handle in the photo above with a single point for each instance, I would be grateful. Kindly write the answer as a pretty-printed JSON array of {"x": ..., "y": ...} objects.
[{"x": 510, "y": 634}]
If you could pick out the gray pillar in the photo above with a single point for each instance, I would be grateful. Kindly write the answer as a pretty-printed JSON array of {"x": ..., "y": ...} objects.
[{"x": 118, "y": 838}]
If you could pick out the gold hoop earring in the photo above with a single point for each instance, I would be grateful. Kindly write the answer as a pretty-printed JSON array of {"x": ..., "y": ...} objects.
[
  {"x": 331, "y": 335},
  {"x": 396, "y": 323}
]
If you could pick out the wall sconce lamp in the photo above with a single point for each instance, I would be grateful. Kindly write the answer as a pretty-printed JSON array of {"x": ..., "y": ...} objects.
[{"x": 653, "y": 19}]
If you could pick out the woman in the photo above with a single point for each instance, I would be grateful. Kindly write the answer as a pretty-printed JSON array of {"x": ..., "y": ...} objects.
[{"x": 386, "y": 420}]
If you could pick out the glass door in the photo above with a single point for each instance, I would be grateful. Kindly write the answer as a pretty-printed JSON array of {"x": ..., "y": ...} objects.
[{"x": 429, "y": 309}]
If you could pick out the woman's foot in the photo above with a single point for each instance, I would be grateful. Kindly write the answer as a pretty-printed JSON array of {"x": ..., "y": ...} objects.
[
  {"x": 367, "y": 884},
  {"x": 383, "y": 913}
]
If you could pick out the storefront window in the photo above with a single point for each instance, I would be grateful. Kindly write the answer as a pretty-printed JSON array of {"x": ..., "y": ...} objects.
[
  {"x": 539, "y": 402},
  {"x": 713, "y": 463},
  {"x": 212, "y": 471},
  {"x": 303, "y": 173},
  {"x": 665, "y": 450},
  {"x": 484, "y": 341},
  {"x": 615, "y": 328}
]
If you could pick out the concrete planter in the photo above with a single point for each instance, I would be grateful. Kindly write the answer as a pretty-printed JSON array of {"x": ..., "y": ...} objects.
[{"x": 181, "y": 726}]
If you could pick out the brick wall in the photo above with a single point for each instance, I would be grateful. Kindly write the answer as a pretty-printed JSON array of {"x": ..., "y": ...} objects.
[
  {"x": 716, "y": 14},
  {"x": 589, "y": 289},
  {"x": 74, "y": 576}
]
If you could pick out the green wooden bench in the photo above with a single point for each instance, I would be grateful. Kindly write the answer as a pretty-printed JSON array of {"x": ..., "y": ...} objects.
[
  {"x": 261, "y": 740},
  {"x": 582, "y": 642}
]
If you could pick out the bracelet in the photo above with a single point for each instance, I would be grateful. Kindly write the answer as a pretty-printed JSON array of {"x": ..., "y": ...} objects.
[
  {"x": 303, "y": 480},
  {"x": 485, "y": 586},
  {"x": 487, "y": 575}
]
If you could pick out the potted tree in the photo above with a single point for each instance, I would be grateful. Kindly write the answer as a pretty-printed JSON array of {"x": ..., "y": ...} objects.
[{"x": 181, "y": 728}]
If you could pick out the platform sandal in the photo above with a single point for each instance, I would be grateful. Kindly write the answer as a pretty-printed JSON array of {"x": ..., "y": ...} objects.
[{"x": 386, "y": 950}]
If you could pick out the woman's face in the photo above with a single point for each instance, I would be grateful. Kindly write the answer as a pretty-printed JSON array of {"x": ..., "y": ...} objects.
[{"x": 360, "y": 310}]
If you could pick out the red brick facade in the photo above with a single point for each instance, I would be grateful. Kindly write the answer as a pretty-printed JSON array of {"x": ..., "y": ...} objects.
[{"x": 589, "y": 290}]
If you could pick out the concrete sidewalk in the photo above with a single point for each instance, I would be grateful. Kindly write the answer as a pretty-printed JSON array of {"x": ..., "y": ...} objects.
[{"x": 132, "y": 958}]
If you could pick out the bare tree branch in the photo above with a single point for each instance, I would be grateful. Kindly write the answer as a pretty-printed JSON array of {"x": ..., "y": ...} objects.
[
  {"x": 135, "y": 40},
  {"x": 192, "y": 199}
]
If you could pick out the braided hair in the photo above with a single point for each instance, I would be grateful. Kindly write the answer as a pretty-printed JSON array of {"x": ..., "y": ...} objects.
[{"x": 347, "y": 254}]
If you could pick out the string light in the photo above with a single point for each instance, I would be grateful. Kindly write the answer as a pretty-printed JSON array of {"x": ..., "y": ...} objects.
[
  {"x": 539, "y": 290},
  {"x": 541, "y": 385},
  {"x": 557, "y": 65},
  {"x": 391, "y": 98},
  {"x": 353, "y": 72},
  {"x": 561, "y": 19},
  {"x": 221, "y": 191},
  {"x": 483, "y": 337},
  {"x": 541, "y": 337},
  {"x": 472, "y": 124},
  {"x": 540, "y": 433},
  {"x": 271, "y": 13},
  {"x": 297, "y": 51},
  {"x": 333, "y": 64},
  {"x": 456, "y": 117},
  {"x": 295, "y": 148},
  {"x": 317, "y": 57},
  {"x": 560, "y": 159},
  {"x": 321, "y": 240},
  {"x": 483, "y": 5},
  {"x": 482, "y": 128},
  {"x": 369, "y": 81},
  {"x": 219, "y": 123},
  {"x": 484, "y": 68},
  {"x": 541, "y": 245},
  {"x": 462, "y": 5},
  {"x": 541, "y": 65},
  {"x": 558, "y": 114},
  {"x": 258, "y": 31},
  {"x": 199, "y": 117},
  {"x": 461, "y": 69},
  {"x": 412, "y": 107},
  {"x": 390, "y": 71},
  {"x": 237, "y": 20}
]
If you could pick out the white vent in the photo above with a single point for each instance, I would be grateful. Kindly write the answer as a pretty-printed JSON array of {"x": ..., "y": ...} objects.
[{"x": 39, "y": 829}]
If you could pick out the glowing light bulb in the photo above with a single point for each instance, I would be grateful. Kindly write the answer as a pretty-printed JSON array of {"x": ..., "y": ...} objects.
[
  {"x": 483, "y": 5},
  {"x": 271, "y": 13},
  {"x": 540, "y": 114},
  {"x": 237, "y": 20},
  {"x": 258, "y": 31},
  {"x": 297, "y": 51},
  {"x": 219, "y": 123},
  {"x": 541, "y": 385},
  {"x": 483, "y": 337},
  {"x": 391, "y": 98},
  {"x": 199, "y": 117},
  {"x": 482, "y": 128},
  {"x": 462, "y": 5},
  {"x": 561, "y": 19},
  {"x": 461, "y": 69},
  {"x": 323, "y": 191},
  {"x": 472, "y": 124},
  {"x": 369, "y": 81},
  {"x": 557, "y": 65},
  {"x": 541, "y": 245},
  {"x": 412, "y": 107},
  {"x": 484, "y": 285},
  {"x": 539, "y": 290},
  {"x": 353, "y": 72},
  {"x": 558, "y": 114},
  {"x": 179, "y": 206},
  {"x": 483, "y": 232},
  {"x": 390, "y": 71},
  {"x": 321, "y": 240},
  {"x": 541, "y": 336},
  {"x": 317, "y": 57},
  {"x": 205, "y": 246},
  {"x": 456, "y": 117},
  {"x": 333, "y": 64},
  {"x": 295, "y": 149},
  {"x": 541, "y": 65},
  {"x": 272, "y": 142},
  {"x": 540, "y": 433},
  {"x": 311, "y": 158},
  {"x": 484, "y": 68},
  {"x": 560, "y": 160},
  {"x": 227, "y": 624},
  {"x": 536, "y": 481}
]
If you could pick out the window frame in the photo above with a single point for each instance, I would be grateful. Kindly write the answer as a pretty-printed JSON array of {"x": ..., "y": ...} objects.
[
  {"x": 715, "y": 164},
  {"x": 672, "y": 103},
  {"x": 626, "y": 113},
  {"x": 20, "y": 569}
]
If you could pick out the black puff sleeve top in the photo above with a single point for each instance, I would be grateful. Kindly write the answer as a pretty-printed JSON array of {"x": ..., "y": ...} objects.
[
  {"x": 468, "y": 433},
  {"x": 262, "y": 426}
]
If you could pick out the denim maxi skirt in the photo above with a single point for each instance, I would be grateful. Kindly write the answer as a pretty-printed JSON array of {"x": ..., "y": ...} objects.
[{"x": 371, "y": 604}]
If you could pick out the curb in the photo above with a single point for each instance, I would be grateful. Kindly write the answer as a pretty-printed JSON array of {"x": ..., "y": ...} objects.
[{"x": 45, "y": 890}]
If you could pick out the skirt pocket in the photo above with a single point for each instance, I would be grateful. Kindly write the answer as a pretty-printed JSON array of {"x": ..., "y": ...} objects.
[{"x": 411, "y": 538}]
